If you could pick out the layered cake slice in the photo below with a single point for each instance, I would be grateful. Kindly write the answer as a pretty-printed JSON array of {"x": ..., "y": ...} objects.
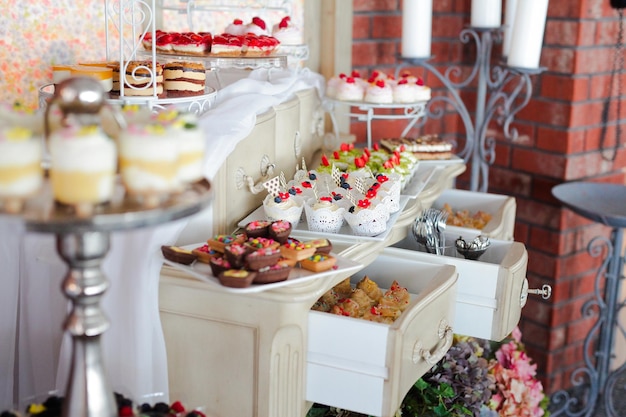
[
  {"x": 184, "y": 79},
  {"x": 427, "y": 147}
]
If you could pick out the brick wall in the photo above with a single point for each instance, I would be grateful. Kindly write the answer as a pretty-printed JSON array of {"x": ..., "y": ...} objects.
[{"x": 562, "y": 129}]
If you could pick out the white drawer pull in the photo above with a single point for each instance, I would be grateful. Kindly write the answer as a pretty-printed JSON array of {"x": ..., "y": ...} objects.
[
  {"x": 242, "y": 179},
  {"x": 446, "y": 334}
]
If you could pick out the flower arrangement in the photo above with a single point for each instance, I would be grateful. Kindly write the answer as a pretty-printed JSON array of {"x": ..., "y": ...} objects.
[
  {"x": 476, "y": 378},
  {"x": 518, "y": 392}
]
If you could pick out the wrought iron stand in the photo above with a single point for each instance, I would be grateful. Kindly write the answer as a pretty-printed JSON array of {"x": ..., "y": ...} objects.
[
  {"x": 502, "y": 91},
  {"x": 602, "y": 203}
]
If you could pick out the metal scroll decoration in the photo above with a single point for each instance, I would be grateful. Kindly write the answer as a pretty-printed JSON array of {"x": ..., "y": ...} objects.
[{"x": 509, "y": 91}]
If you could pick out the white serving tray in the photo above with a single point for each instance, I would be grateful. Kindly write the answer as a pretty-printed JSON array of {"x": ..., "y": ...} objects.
[
  {"x": 297, "y": 275},
  {"x": 301, "y": 231},
  {"x": 369, "y": 367}
]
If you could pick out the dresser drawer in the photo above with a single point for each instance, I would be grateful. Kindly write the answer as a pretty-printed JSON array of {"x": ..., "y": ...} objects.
[
  {"x": 489, "y": 296},
  {"x": 501, "y": 208},
  {"x": 369, "y": 367}
]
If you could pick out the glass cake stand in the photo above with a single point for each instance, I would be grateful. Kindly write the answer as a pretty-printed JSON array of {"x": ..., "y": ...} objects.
[
  {"x": 82, "y": 243},
  {"x": 606, "y": 204}
]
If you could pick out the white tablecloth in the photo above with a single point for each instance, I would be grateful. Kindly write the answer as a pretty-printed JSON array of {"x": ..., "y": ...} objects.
[{"x": 34, "y": 356}]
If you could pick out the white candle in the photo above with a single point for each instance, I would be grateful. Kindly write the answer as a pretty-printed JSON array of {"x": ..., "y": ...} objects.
[
  {"x": 416, "y": 28},
  {"x": 509, "y": 20},
  {"x": 527, "y": 35},
  {"x": 486, "y": 13}
]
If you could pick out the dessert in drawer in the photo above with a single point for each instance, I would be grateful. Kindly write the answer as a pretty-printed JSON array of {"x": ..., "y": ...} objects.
[
  {"x": 493, "y": 215},
  {"x": 367, "y": 362},
  {"x": 490, "y": 293}
]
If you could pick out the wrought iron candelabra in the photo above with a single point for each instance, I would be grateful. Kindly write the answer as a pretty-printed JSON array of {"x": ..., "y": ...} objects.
[{"x": 502, "y": 91}]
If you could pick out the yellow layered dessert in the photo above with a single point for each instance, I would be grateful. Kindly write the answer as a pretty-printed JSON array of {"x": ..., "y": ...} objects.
[
  {"x": 149, "y": 160},
  {"x": 21, "y": 174},
  {"x": 83, "y": 165}
]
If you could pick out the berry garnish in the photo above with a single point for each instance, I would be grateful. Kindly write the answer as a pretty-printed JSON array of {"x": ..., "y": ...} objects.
[
  {"x": 284, "y": 23},
  {"x": 259, "y": 22}
]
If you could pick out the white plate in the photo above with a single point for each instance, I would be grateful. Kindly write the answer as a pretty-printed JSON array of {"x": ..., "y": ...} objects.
[
  {"x": 301, "y": 231},
  {"x": 297, "y": 275}
]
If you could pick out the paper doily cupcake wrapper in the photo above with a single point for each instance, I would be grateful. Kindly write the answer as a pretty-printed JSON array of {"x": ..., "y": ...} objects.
[{"x": 324, "y": 220}]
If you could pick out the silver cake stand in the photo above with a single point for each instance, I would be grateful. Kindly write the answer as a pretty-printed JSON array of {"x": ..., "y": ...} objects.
[{"x": 82, "y": 241}]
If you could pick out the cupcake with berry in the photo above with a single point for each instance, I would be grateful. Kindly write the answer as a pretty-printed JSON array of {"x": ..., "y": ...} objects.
[
  {"x": 367, "y": 217},
  {"x": 283, "y": 204},
  {"x": 324, "y": 214}
]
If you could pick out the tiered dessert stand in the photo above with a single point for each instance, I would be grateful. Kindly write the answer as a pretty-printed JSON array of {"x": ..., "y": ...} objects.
[
  {"x": 368, "y": 112},
  {"x": 82, "y": 242}
]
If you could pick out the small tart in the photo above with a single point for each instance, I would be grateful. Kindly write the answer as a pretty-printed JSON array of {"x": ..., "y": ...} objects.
[
  {"x": 321, "y": 245},
  {"x": 280, "y": 230},
  {"x": 178, "y": 254},
  {"x": 318, "y": 263},
  {"x": 261, "y": 243},
  {"x": 262, "y": 258},
  {"x": 219, "y": 264},
  {"x": 236, "y": 278},
  {"x": 296, "y": 250},
  {"x": 235, "y": 254},
  {"x": 257, "y": 228},
  {"x": 218, "y": 242},
  {"x": 285, "y": 261},
  {"x": 205, "y": 253},
  {"x": 275, "y": 273}
]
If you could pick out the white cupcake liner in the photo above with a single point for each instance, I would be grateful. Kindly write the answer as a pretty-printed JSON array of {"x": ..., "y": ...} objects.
[
  {"x": 368, "y": 222},
  {"x": 275, "y": 212},
  {"x": 326, "y": 220}
]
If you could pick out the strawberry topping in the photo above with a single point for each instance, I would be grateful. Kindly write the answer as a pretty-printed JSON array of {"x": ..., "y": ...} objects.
[
  {"x": 284, "y": 23},
  {"x": 259, "y": 22}
]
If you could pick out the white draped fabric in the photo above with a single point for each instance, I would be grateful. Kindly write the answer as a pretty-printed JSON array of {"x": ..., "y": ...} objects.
[{"x": 34, "y": 353}]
